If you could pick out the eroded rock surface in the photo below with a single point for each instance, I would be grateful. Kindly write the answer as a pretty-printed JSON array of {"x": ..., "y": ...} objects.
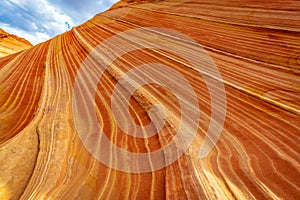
[
  {"x": 11, "y": 43},
  {"x": 255, "y": 46}
]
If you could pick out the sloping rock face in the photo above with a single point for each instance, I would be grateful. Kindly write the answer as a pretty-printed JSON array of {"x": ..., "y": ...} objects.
[
  {"x": 11, "y": 44},
  {"x": 157, "y": 100}
]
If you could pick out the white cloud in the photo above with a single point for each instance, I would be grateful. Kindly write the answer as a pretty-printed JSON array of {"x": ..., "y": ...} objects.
[
  {"x": 21, "y": 3},
  {"x": 33, "y": 37},
  {"x": 48, "y": 17},
  {"x": 39, "y": 20}
]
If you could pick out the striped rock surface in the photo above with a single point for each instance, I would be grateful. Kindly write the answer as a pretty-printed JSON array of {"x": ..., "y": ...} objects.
[
  {"x": 49, "y": 147},
  {"x": 11, "y": 43}
]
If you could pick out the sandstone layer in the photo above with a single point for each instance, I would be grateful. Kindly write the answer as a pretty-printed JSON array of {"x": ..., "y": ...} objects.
[
  {"x": 256, "y": 48},
  {"x": 11, "y": 43}
]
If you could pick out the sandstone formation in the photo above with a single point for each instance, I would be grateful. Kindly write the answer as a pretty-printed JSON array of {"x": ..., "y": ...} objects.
[
  {"x": 255, "y": 47},
  {"x": 11, "y": 43}
]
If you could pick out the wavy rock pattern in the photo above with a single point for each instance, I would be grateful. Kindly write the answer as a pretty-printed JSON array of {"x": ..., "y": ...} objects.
[
  {"x": 256, "y": 47},
  {"x": 11, "y": 44}
]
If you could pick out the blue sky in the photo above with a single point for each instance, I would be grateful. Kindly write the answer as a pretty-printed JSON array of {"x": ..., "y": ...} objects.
[{"x": 39, "y": 20}]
